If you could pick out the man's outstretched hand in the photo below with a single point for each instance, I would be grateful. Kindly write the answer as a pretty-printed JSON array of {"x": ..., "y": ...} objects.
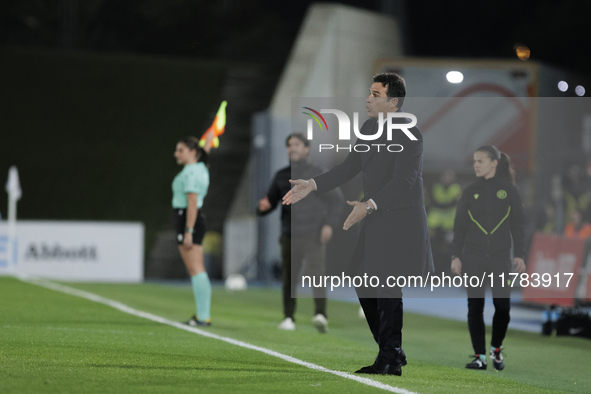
[
  {"x": 356, "y": 215},
  {"x": 299, "y": 191}
]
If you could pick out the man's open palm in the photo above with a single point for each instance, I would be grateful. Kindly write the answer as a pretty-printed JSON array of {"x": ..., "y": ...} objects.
[{"x": 299, "y": 191}]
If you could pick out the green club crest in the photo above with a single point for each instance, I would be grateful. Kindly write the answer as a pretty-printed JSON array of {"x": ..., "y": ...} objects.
[
  {"x": 502, "y": 194},
  {"x": 476, "y": 196}
]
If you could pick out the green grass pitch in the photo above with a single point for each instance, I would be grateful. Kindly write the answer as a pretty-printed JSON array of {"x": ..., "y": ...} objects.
[{"x": 54, "y": 342}]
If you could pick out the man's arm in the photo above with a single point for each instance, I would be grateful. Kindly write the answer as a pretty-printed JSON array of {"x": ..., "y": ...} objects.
[
  {"x": 273, "y": 196},
  {"x": 329, "y": 180},
  {"x": 404, "y": 175},
  {"x": 339, "y": 174},
  {"x": 335, "y": 201}
]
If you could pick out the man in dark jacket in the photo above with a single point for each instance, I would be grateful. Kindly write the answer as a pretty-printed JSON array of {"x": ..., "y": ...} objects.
[
  {"x": 394, "y": 237},
  {"x": 304, "y": 234}
]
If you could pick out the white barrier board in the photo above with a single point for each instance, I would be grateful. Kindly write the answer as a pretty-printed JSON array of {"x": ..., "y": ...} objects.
[{"x": 75, "y": 251}]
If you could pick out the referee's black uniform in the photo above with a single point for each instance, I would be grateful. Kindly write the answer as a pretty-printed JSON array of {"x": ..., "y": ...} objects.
[{"x": 489, "y": 215}]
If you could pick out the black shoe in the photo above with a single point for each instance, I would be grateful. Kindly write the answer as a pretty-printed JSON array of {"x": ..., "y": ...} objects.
[
  {"x": 371, "y": 369},
  {"x": 383, "y": 369},
  {"x": 497, "y": 358},
  {"x": 193, "y": 322},
  {"x": 389, "y": 369},
  {"x": 402, "y": 357},
  {"x": 477, "y": 363},
  {"x": 367, "y": 370}
]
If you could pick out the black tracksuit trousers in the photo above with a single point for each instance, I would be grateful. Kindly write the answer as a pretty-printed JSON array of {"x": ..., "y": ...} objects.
[{"x": 478, "y": 265}]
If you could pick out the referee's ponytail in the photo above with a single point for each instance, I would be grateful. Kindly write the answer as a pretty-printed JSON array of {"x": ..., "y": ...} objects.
[
  {"x": 202, "y": 156},
  {"x": 192, "y": 143},
  {"x": 504, "y": 168}
]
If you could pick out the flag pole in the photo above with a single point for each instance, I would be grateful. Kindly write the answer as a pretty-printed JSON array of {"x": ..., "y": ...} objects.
[{"x": 14, "y": 194}]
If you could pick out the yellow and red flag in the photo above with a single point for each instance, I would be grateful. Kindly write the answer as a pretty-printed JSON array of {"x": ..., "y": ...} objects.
[{"x": 218, "y": 127}]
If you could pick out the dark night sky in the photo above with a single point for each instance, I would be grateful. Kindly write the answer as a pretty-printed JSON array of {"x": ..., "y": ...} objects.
[
  {"x": 262, "y": 31},
  {"x": 557, "y": 32}
]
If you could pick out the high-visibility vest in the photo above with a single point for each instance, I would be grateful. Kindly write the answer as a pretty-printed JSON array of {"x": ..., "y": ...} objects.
[{"x": 445, "y": 195}]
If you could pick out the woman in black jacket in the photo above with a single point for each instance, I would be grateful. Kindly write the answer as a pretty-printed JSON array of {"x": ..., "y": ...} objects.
[{"x": 489, "y": 215}]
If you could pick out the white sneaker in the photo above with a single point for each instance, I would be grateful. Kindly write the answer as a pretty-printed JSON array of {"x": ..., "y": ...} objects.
[
  {"x": 287, "y": 324},
  {"x": 319, "y": 321}
]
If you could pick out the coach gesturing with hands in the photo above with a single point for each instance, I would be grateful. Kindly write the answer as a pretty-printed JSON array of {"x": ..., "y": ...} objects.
[{"x": 394, "y": 238}]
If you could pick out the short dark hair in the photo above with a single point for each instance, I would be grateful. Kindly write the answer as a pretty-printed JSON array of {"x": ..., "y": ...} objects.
[
  {"x": 396, "y": 86},
  {"x": 299, "y": 136}
]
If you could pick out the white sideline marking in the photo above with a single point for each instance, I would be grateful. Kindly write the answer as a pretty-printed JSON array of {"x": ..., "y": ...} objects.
[{"x": 124, "y": 308}]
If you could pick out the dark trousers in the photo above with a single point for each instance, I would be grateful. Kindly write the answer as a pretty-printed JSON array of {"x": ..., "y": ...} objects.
[
  {"x": 383, "y": 311},
  {"x": 477, "y": 265},
  {"x": 384, "y": 317},
  {"x": 476, "y": 323},
  {"x": 296, "y": 253}
]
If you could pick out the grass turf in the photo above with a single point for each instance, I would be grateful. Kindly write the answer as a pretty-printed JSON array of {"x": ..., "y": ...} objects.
[{"x": 53, "y": 342}]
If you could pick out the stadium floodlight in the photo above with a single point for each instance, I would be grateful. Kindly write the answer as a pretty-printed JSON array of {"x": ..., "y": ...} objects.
[
  {"x": 580, "y": 91},
  {"x": 562, "y": 86},
  {"x": 455, "y": 76}
]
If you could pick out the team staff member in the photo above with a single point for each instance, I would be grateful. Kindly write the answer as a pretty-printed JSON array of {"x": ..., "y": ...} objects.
[
  {"x": 189, "y": 189},
  {"x": 304, "y": 234},
  {"x": 489, "y": 214},
  {"x": 394, "y": 237}
]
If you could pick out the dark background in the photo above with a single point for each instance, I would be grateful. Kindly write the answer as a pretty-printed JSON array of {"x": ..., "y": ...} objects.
[
  {"x": 94, "y": 94},
  {"x": 263, "y": 31}
]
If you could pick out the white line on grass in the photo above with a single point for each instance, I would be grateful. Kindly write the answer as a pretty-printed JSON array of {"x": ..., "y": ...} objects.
[{"x": 124, "y": 308}]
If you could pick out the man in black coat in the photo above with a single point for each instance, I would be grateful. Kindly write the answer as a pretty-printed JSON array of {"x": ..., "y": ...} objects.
[
  {"x": 394, "y": 237},
  {"x": 303, "y": 232}
]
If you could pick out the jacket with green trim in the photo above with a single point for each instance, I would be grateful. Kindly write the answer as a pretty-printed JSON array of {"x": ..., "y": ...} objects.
[{"x": 489, "y": 213}]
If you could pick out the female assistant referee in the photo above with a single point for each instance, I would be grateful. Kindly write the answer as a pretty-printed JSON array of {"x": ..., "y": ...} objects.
[
  {"x": 489, "y": 214},
  {"x": 189, "y": 188}
]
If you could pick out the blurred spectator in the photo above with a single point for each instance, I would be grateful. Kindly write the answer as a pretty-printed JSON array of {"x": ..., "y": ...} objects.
[
  {"x": 575, "y": 192},
  {"x": 578, "y": 227},
  {"x": 546, "y": 220},
  {"x": 443, "y": 199}
]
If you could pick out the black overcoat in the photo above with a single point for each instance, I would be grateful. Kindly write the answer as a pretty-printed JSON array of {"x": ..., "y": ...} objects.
[{"x": 394, "y": 240}]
